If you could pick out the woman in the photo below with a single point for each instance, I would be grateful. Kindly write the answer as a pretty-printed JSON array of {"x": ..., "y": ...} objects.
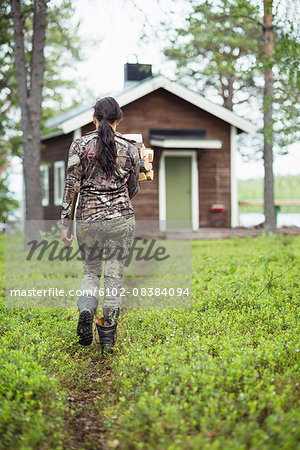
[{"x": 106, "y": 167}]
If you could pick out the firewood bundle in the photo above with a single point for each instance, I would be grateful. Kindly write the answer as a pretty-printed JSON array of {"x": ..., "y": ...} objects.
[
  {"x": 146, "y": 168},
  {"x": 146, "y": 156}
]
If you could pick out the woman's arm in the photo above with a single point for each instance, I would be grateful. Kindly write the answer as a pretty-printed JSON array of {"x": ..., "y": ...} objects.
[
  {"x": 73, "y": 178},
  {"x": 133, "y": 184}
]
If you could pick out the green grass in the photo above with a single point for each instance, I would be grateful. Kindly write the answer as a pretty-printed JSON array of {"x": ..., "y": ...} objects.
[
  {"x": 222, "y": 374},
  {"x": 285, "y": 187}
]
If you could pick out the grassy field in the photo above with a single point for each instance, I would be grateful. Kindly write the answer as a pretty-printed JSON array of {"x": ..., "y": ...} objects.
[{"x": 222, "y": 374}]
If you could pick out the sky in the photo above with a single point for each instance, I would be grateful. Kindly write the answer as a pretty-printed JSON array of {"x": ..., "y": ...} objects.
[{"x": 111, "y": 30}]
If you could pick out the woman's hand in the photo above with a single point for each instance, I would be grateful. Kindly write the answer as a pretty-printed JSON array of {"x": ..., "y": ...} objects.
[{"x": 66, "y": 240}]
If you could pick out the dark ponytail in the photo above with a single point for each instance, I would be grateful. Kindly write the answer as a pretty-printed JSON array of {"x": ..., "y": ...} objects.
[{"x": 107, "y": 111}]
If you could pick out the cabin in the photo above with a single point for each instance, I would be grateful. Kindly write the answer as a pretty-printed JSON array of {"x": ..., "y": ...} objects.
[{"x": 194, "y": 142}]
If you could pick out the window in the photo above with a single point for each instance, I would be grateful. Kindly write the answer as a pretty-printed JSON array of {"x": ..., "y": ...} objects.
[
  {"x": 59, "y": 181},
  {"x": 45, "y": 184}
]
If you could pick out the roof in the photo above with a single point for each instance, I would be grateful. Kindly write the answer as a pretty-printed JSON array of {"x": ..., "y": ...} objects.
[{"x": 81, "y": 115}]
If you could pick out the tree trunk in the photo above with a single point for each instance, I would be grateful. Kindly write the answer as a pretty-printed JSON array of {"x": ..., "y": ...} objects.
[
  {"x": 269, "y": 208},
  {"x": 228, "y": 102},
  {"x": 30, "y": 99}
]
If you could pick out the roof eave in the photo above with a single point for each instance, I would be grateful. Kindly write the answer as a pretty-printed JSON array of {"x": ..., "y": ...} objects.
[
  {"x": 217, "y": 110},
  {"x": 155, "y": 83},
  {"x": 52, "y": 134}
]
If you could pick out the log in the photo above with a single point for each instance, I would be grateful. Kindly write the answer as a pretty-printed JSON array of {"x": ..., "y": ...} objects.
[
  {"x": 136, "y": 138},
  {"x": 142, "y": 151},
  {"x": 149, "y": 154},
  {"x": 145, "y": 165},
  {"x": 142, "y": 176},
  {"x": 146, "y": 156},
  {"x": 150, "y": 175}
]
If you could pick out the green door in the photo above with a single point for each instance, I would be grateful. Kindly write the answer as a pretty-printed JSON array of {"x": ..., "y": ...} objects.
[{"x": 178, "y": 191}]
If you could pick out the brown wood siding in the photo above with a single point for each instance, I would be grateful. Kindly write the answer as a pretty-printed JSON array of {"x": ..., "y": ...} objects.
[
  {"x": 164, "y": 110},
  {"x": 87, "y": 128}
]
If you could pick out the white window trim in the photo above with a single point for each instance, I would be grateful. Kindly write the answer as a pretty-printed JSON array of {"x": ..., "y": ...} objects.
[
  {"x": 58, "y": 165},
  {"x": 77, "y": 133},
  {"x": 194, "y": 187},
  {"x": 44, "y": 168}
]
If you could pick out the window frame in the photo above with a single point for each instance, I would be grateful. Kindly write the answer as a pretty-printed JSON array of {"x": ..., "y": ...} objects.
[
  {"x": 56, "y": 166},
  {"x": 44, "y": 170}
]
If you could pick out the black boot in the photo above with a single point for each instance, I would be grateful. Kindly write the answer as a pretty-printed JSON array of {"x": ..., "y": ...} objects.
[
  {"x": 87, "y": 307},
  {"x": 107, "y": 337}
]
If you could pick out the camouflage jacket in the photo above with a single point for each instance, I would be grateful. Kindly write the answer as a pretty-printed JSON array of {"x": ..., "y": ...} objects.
[{"x": 100, "y": 197}]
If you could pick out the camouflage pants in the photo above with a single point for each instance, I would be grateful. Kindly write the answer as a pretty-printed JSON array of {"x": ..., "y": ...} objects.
[{"x": 105, "y": 243}]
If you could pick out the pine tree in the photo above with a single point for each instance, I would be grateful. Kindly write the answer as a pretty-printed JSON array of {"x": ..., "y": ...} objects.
[
  {"x": 217, "y": 48},
  {"x": 268, "y": 49},
  {"x": 227, "y": 45},
  {"x": 28, "y": 30}
]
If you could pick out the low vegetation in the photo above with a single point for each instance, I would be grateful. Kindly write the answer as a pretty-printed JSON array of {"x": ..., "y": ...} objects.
[{"x": 221, "y": 374}]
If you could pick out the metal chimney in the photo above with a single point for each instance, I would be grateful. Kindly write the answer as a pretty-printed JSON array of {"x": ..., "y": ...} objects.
[{"x": 133, "y": 73}]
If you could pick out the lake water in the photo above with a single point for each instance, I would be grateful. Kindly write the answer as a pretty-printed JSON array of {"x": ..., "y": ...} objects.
[{"x": 252, "y": 219}]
